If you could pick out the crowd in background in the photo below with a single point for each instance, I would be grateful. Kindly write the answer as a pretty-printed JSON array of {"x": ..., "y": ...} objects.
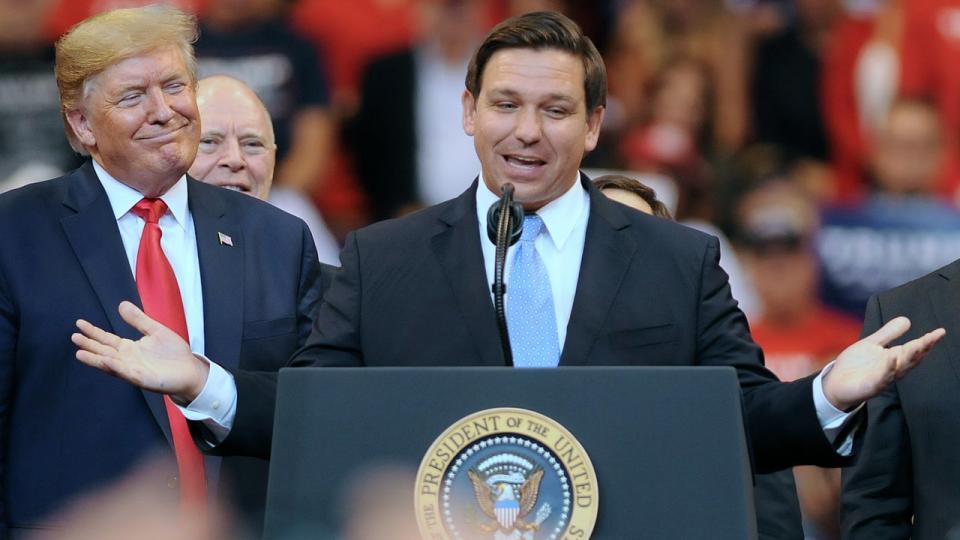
[{"x": 818, "y": 137}]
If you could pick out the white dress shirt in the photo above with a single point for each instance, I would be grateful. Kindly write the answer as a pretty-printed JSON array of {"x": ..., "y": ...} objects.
[
  {"x": 565, "y": 220},
  {"x": 178, "y": 240}
]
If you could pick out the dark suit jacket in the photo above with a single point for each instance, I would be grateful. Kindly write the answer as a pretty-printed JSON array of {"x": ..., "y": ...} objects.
[
  {"x": 66, "y": 428},
  {"x": 906, "y": 483},
  {"x": 413, "y": 291}
]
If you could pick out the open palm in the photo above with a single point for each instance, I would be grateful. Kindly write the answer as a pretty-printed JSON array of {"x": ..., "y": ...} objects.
[
  {"x": 160, "y": 361},
  {"x": 868, "y": 366}
]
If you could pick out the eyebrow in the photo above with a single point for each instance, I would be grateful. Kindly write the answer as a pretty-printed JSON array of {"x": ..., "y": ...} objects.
[
  {"x": 507, "y": 92},
  {"x": 139, "y": 83}
]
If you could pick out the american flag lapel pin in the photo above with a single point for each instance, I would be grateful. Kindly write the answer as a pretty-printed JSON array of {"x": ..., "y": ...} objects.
[{"x": 225, "y": 239}]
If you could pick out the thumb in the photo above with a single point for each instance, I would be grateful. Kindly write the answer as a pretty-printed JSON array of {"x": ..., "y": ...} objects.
[
  {"x": 890, "y": 331},
  {"x": 136, "y": 318}
]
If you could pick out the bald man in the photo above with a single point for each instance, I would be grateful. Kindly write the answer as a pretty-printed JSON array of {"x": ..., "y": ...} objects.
[{"x": 238, "y": 151}]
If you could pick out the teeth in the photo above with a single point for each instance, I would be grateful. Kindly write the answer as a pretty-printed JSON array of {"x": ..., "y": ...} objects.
[{"x": 233, "y": 188}]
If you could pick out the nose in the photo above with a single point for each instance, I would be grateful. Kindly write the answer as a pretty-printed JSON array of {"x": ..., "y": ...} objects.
[
  {"x": 158, "y": 107},
  {"x": 232, "y": 156},
  {"x": 528, "y": 128}
]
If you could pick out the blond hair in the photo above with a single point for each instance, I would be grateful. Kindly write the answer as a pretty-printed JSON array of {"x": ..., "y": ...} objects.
[{"x": 97, "y": 43}]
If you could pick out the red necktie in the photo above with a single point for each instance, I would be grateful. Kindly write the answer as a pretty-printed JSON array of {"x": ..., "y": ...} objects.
[{"x": 161, "y": 299}]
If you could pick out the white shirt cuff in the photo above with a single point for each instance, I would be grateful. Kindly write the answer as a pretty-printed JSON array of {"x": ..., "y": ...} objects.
[
  {"x": 216, "y": 405},
  {"x": 832, "y": 419}
]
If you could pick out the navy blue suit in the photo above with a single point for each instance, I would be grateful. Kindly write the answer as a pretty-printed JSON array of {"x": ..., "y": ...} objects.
[{"x": 66, "y": 428}]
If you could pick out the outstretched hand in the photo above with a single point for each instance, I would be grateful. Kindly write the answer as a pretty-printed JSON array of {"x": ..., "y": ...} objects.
[
  {"x": 160, "y": 361},
  {"x": 868, "y": 366}
]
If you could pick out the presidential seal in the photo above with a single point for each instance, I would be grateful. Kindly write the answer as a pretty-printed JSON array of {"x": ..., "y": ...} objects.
[{"x": 506, "y": 474}]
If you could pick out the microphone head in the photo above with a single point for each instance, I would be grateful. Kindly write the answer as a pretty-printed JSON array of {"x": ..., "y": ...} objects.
[{"x": 515, "y": 221}]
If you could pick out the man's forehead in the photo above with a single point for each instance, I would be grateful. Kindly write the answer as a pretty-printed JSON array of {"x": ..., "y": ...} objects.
[
  {"x": 221, "y": 109},
  {"x": 163, "y": 63},
  {"x": 558, "y": 71}
]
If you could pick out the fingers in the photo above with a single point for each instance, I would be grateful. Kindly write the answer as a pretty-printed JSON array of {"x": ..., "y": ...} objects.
[
  {"x": 890, "y": 331},
  {"x": 97, "y": 334},
  {"x": 911, "y": 353},
  {"x": 136, "y": 318},
  {"x": 99, "y": 361},
  {"x": 93, "y": 346}
]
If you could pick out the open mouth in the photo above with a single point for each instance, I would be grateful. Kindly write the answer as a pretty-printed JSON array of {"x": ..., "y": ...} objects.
[
  {"x": 526, "y": 163},
  {"x": 232, "y": 187}
]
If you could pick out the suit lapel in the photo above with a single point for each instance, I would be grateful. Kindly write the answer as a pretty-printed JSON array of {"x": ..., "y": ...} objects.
[
  {"x": 945, "y": 300},
  {"x": 457, "y": 248},
  {"x": 608, "y": 251},
  {"x": 221, "y": 273},
  {"x": 93, "y": 234}
]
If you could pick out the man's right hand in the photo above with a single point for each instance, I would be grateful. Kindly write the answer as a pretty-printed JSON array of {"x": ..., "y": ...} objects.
[{"x": 160, "y": 361}]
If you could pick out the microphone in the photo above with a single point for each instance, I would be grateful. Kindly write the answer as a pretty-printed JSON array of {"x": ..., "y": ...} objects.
[{"x": 504, "y": 227}]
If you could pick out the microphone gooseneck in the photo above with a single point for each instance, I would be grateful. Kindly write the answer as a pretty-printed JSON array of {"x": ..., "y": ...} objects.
[{"x": 504, "y": 226}]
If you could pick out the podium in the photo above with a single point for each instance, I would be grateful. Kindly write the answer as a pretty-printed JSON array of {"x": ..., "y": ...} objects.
[{"x": 667, "y": 443}]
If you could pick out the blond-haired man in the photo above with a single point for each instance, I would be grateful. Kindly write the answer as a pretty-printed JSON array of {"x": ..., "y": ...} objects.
[{"x": 238, "y": 278}]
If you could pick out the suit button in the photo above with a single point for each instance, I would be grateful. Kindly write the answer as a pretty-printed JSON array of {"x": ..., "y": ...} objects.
[{"x": 172, "y": 482}]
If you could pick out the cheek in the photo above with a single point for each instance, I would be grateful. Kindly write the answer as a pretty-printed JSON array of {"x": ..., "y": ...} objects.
[{"x": 202, "y": 164}]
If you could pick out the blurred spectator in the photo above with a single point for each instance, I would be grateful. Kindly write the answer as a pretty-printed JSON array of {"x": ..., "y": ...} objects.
[
  {"x": 777, "y": 223},
  {"x": 650, "y": 33},
  {"x": 386, "y": 488},
  {"x": 930, "y": 54},
  {"x": 776, "y": 231},
  {"x": 32, "y": 146},
  {"x": 237, "y": 151},
  {"x": 350, "y": 34},
  {"x": 410, "y": 147},
  {"x": 902, "y": 230},
  {"x": 133, "y": 507},
  {"x": 860, "y": 80},
  {"x": 787, "y": 106},
  {"x": 670, "y": 141},
  {"x": 249, "y": 40}
]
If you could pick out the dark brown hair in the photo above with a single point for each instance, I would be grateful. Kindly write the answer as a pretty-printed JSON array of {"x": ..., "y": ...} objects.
[
  {"x": 630, "y": 185},
  {"x": 543, "y": 30}
]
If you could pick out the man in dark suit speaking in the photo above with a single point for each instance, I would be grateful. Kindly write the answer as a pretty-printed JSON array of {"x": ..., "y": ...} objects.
[
  {"x": 591, "y": 282},
  {"x": 236, "y": 277}
]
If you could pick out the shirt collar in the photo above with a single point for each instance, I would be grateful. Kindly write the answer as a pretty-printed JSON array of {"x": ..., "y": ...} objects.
[
  {"x": 123, "y": 197},
  {"x": 559, "y": 216}
]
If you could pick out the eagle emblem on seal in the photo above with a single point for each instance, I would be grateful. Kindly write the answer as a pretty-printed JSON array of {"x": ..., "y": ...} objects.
[{"x": 507, "y": 487}]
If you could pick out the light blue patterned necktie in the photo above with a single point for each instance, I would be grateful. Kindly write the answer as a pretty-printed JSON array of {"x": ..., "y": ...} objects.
[{"x": 531, "y": 319}]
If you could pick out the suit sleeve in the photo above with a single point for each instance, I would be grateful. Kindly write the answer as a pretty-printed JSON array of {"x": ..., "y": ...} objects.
[
  {"x": 252, "y": 430},
  {"x": 780, "y": 418},
  {"x": 877, "y": 490},
  {"x": 333, "y": 340},
  {"x": 8, "y": 346}
]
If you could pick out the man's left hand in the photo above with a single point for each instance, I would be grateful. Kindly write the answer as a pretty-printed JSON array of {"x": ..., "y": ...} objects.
[{"x": 868, "y": 366}]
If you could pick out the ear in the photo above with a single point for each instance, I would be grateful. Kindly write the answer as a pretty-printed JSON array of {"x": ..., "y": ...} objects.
[
  {"x": 469, "y": 112},
  {"x": 594, "y": 120},
  {"x": 81, "y": 127}
]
